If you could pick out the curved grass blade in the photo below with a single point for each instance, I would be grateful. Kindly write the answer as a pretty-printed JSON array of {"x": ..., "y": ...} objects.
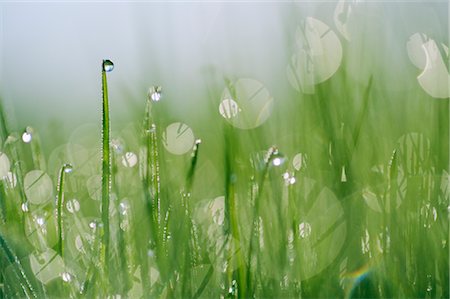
[
  {"x": 19, "y": 270},
  {"x": 59, "y": 204}
]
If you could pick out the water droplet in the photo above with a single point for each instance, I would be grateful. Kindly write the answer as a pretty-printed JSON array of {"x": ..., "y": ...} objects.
[
  {"x": 278, "y": 158},
  {"x": 129, "y": 159},
  {"x": 150, "y": 253},
  {"x": 289, "y": 179},
  {"x": 66, "y": 276},
  {"x": 198, "y": 141},
  {"x": 107, "y": 65},
  {"x": 40, "y": 221},
  {"x": 123, "y": 208},
  {"x": 93, "y": 224},
  {"x": 304, "y": 229},
  {"x": 232, "y": 290},
  {"x": 73, "y": 206},
  {"x": 24, "y": 207},
  {"x": 68, "y": 168},
  {"x": 26, "y": 137},
  {"x": 154, "y": 93}
]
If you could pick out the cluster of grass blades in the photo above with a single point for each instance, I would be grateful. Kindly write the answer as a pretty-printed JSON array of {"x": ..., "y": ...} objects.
[{"x": 336, "y": 219}]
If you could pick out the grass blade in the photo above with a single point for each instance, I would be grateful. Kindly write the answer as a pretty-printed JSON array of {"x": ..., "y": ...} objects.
[{"x": 106, "y": 166}]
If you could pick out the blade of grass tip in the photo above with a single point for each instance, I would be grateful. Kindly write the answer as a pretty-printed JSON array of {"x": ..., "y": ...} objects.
[
  {"x": 12, "y": 258},
  {"x": 231, "y": 215},
  {"x": 268, "y": 159},
  {"x": 36, "y": 151},
  {"x": 190, "y": 248},
  {"x": 362, "y": 115},
  {"x": 3, "y": 125},
  {"x": 150, "y": 178},
  {"x": 66, "y": 168},
  {"x": 210, "y": 272},
  {"x": 3, "y": 207},
  {"x": 107, "y": 66}
]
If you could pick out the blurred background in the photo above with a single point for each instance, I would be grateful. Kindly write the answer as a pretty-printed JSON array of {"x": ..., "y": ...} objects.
[{"x": 51, "y": 53}]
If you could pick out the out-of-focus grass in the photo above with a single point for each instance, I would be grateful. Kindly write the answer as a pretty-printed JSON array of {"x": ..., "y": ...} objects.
[{"x": 156, "y": 213}]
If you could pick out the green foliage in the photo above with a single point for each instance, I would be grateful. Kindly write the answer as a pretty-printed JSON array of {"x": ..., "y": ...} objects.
[{"x": 363, "y": 212}]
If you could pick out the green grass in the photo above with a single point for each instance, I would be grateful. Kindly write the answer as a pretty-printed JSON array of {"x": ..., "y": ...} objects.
[{"x": 234, "y": 216}]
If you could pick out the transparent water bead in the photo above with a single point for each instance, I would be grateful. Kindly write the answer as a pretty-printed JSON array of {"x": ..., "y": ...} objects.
[
  {"x": 107, "y": 65},
  {"x": 68, "y": 168},
  {"x": 276, "y": 157},
  {"x": 123, "y": 207},
  {"x": 24, "y": 207},
  {"x": 154, "y": 93},
  {"x": 27, "y": 135},
  {"x": 289, "y": 179},
  {"x": 66, "y": 276}
]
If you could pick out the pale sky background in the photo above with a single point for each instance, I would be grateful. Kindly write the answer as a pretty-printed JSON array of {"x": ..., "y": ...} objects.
[{"x": 51, "y": 52}]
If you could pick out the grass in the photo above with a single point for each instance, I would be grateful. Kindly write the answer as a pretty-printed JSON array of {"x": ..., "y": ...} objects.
[{"x": 234, "y": 216}]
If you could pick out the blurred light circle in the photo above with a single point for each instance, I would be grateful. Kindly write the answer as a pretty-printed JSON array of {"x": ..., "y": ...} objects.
[
  {"x": 317, "y": 57},
  {"x": 178, "y": 138},
  {"x": 4, "y": 165},
  {"x": 130, "y": 159},
  {"x": 38, "y": 187},
  {"x": 247, "y": 105}
]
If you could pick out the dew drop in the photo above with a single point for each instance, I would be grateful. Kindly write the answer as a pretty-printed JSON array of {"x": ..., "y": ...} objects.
[
  {"x": 107, "y": 65},
  {"x": 304, "y": 229},
  {"x": 24, "y": 207},
  {"x": 93, "y": 224},
  {"x": 129, "y": 159},
  {"x": 68, "y": 168},
  {"x": 40, "y": 221},
  {"x": 278, "y": 159},
  {"x": 123, "y": 208},
  {"x": 154, "y": 93},
  {"x": 26, "y": 137},
  {"x": 66, "y": 277}
]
